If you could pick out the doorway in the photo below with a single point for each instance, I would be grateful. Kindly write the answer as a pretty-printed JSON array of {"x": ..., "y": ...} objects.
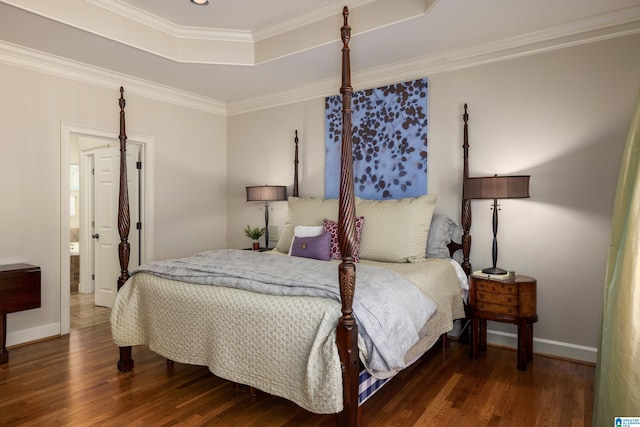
[
  {"x": 99, "y": 271},
  {"x": 79, "y": 146}
]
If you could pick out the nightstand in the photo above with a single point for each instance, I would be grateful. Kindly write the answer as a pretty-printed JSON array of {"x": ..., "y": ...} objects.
[
  {"x": 511, "y": 301},
  {"x": 19, "y": 290}
]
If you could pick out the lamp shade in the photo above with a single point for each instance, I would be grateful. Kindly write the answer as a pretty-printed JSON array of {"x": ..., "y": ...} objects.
[
  {"x": 496, "y": 187},
  {"x": 266, "y": 193}
]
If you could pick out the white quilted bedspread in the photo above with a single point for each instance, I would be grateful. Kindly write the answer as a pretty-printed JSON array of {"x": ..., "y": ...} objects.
[{"x": 282, "y": 345}]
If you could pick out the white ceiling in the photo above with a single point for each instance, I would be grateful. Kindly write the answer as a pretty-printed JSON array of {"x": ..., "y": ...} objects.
[{"x": 238, "y": 50}]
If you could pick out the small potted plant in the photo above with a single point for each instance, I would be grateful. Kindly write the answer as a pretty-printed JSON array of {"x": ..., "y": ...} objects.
[{"x": 254, "y": 233}]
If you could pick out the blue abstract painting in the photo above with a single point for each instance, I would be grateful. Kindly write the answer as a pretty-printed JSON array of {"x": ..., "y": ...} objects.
[{"x": 389, "y": 127}]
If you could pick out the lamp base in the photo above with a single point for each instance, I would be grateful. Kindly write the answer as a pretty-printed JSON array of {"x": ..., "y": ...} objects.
[{"x": 493, "y": 270}]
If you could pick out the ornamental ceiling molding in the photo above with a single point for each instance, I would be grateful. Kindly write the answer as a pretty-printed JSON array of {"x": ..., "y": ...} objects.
[
  {"x": 604, "y": 27},
  {"x": 302, "y": 31},
  {"x": 45, "y": 63}
]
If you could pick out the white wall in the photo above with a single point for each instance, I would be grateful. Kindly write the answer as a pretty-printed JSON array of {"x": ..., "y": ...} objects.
[
  {"x": 561, "y": 117},
  {"x": 261, "y": 151},
  {"x": 190, "y": 177}
]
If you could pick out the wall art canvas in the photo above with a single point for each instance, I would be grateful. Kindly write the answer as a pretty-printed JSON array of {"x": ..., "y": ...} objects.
[{"x": 389, "y": 141}]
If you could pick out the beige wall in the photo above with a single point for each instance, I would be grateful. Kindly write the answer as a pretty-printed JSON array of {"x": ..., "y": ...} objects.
[
  {"x": 261, "y": 151},
  {"x": 190, "y": 177},
  {"x": 560, "y": 116}
]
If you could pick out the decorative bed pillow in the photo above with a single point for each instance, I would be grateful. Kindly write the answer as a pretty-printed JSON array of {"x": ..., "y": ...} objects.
[
  {"x": 396, "y": 230},
  {"x": 440, "y": 235},
  {"x": 331, "y": 227},
  {"x": 305, "y": 211},
  {"x": 306, "y": 231},
  {"x": 316, "y": 247}
]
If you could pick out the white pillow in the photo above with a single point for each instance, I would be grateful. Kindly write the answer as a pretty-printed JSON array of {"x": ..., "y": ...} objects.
[
  {"x": 395, "y": 230},
  {"x": 306, "y": 231}
]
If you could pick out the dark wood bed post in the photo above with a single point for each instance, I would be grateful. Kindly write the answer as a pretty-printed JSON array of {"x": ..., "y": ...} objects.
[
  {"x": 295, "y": 167},
  {"x": 466, "y": 203},
  {"x": 125, "y": 363},
  {"x": 347, "y": 330},
  {"x": 124, "y": 220}
]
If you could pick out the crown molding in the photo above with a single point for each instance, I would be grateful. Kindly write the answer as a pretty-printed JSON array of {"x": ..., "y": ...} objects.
[
  {"x": 178, "y": 31},
  {"x": 619, "y": 24},
  {"x": 29, "y": 59},
  {"x": 514, "y": 47},
  {"x": 120, "y": 22},
  {"x": 319, "y": 89},
  {"x": 301, "y": 18},
  {"x": 285, "y": 24}
]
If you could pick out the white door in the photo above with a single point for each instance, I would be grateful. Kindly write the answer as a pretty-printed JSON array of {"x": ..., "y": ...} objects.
[{"x": 106, "y": 184}]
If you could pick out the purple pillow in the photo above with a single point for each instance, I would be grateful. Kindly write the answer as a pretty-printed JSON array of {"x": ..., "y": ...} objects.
[{"x": 316, "y": 247}]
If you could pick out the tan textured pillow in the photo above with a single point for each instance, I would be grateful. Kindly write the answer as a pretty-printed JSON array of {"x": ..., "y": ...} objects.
[
  {"x": 306, "y": 211},
  {"x": 395, "y": 230}
]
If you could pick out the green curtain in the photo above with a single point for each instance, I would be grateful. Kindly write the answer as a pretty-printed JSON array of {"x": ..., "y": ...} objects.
[{"x": 617, "y": 389}]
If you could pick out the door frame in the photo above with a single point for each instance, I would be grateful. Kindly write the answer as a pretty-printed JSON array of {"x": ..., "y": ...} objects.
[
  {"x": 86, "y": 285},
  {"x": 67, "y": 133}
]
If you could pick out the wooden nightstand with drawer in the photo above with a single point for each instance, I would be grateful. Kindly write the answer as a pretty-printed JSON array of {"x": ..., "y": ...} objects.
[
  {"x": 19, "y": 290},
  {"x": 511, "y": 301}
]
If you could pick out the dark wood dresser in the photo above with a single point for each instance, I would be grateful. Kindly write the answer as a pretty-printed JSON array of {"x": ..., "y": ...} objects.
[{"x": 19, "y": 290}]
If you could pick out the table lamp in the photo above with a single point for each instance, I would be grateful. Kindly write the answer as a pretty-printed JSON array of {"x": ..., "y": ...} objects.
[
  {"x": 496, "y": 187},
  {"x": 266, "y": 194}
]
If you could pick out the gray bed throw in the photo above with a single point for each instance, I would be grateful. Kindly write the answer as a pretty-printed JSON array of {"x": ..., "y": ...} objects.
[{"x": 390, "y": 309}]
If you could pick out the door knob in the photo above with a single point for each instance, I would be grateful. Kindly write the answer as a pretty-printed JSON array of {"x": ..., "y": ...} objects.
[{"x": 95, "y": 236}]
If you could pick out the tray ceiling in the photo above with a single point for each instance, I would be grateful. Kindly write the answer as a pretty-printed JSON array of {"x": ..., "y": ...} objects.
[{"x": 232, "y": 51}]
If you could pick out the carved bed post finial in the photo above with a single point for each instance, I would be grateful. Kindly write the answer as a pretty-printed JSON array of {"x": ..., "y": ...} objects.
[
  {"x": 124, "y": 220},
  {"x": 295, "y": 171},
  {"x": 347, "y": 330},
  {"x": 346, "y": 205},
  {"x": 466, "y": 203},
  {"x": 125, "y": 364}
]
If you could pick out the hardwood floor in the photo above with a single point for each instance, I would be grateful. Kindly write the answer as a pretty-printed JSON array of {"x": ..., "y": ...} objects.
[
  {"x": 85, "y": 313},
  {"x": 73, "y": 381}
]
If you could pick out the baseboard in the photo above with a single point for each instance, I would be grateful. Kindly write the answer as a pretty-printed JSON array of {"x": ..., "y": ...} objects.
[
  {"x": 505, "y": 339},
  {"x": 33, "y": 334},
  {"x": 546, "y": 347}
]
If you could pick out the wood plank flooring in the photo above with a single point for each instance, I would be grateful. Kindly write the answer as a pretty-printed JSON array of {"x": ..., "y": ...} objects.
[
  {"x": 85, "y": 313},
  {"x": 73, "y": 381}
]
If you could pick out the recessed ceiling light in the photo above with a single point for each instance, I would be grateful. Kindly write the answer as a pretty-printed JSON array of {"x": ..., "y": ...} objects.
[{"x": 200, "y": 2}]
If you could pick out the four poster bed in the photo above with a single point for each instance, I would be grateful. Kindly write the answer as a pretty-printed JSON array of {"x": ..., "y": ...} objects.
[{"x": 257, "y": 319}]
